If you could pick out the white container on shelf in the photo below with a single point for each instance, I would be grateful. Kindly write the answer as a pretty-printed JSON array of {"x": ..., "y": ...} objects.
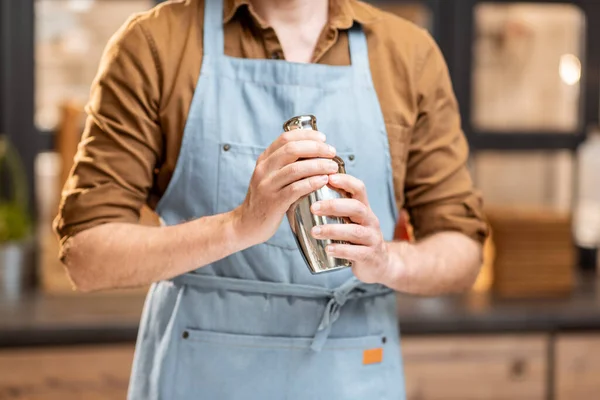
[
  {"x": 47, "y": 189},
  {"x": 587, "y": 211}
]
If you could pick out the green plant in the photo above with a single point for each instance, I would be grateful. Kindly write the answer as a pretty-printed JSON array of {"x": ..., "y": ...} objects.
[{"x": 15, "y": 223}]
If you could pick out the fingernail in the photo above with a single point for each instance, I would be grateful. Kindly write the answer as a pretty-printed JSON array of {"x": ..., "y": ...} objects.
[
  {"x": 316, "y": 230},
  {"x": 334, "y": 178},
  {"x": 331, "y": 149},
  {"x": 316, "y": 207},
  {"x": 324, "y": 178},
  {"x": 330, "y": 248},
  {"x": 333, "y": 167}
]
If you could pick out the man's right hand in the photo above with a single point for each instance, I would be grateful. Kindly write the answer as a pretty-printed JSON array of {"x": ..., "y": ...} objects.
[{"x": 294, "y": 165}]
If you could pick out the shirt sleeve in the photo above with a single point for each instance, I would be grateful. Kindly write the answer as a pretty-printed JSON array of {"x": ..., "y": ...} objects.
[
  {"x": 122, "y": 140},
  {"x": 439, "y": 191}
]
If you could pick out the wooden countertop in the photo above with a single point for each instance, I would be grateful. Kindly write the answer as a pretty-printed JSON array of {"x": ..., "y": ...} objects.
[{"x": 112, "y": 318}]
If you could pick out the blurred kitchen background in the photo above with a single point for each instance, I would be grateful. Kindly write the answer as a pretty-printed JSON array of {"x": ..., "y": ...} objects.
[{"x": 527, "y": 77}]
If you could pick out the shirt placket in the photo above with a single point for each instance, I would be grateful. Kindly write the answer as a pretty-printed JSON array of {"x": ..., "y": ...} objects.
[
  {"x": 272, "y": 44},
  {"x": 326, "y": 42}
]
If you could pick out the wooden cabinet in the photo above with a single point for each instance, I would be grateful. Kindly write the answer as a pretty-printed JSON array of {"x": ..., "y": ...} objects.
[
  {"x": 478, "y": 368},
  {"x": 66, "y": 373},
  {"x": 497, "y": 367},
  {"x": 577, "y": 366}
]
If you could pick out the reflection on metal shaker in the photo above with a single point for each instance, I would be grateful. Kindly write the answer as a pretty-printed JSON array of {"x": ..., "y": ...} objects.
[{"x": 302, "y": 219}]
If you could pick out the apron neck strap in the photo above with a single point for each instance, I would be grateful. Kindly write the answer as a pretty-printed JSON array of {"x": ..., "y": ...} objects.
[
  {"x": 359, "y": 54},
  {"x": 213, "y": 42}
]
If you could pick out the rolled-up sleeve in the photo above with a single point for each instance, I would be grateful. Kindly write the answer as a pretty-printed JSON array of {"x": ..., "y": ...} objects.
[
  {"x": 121, "y": 143},
  {"x": 439, "y": 193}
]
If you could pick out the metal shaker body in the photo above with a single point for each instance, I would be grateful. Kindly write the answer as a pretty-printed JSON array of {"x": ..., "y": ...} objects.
[{"x": 302, "y": 220}]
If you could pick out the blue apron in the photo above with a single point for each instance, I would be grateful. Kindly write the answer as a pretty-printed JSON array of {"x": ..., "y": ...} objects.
[{"x": 257, "y": 324}]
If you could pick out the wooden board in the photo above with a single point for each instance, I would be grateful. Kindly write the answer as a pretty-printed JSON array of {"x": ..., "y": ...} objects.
[
  {"x": 578, "y": 367},
  {"x": 70, "y": 373},
  {"x": 475, "y": 368}
]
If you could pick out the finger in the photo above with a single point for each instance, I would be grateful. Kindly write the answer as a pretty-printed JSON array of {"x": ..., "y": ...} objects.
[
  {"x": 294, "y": 136},
  {"x": 352, "y": 233},
  {"x": 357, "y": 211},
  {"x": 303, "y": 169},
  {"x": 352, "y": 252},
  {"x": 354, "y": 186},
  {"x": 294, "y": 151},
  {"x": 297, "y": 189}
]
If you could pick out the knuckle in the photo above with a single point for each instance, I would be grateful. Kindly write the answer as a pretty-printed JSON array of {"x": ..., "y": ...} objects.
[
  {"x": 261, "y": 187},
  {"x": 323, "y": 165},
  {"x": 261, "y": 157},
  {"x": 358, "y": 231},
  {"x": 357, "y": 207},
  {"x": 376, "y": 222},
  {"x": 291, "y": 148},
  {"x": 294, "y": 169},
  {"x": 363, "y": 210},
  {"x": 286, "y": 137},
  {"x": 297, "y": 188},
  {"x": 288, "y": 193},
  {"x": 360, "y": 186},
  {"x": 259, "y": 170}
]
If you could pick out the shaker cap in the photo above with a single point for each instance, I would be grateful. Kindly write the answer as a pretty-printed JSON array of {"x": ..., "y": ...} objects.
[{"x": 301, "y": 122}]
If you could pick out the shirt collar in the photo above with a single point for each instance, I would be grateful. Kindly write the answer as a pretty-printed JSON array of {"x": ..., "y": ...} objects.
[{"x": 342, "y": 13}]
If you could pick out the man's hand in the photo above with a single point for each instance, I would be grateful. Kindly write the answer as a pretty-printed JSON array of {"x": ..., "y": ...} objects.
[
  {"x": 446, "y": 262},
  {"x": 367, "y": 249},
  {"x": 294, "y": 165}
]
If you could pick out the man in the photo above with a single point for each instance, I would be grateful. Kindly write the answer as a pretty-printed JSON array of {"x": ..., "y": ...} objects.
[{"x": 186, "y": 115}]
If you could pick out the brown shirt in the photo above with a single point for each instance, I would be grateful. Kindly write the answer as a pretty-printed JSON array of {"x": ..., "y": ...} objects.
[{"x": 147, "y": 77}]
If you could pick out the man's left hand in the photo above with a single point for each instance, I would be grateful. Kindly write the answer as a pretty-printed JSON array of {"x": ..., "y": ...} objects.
[{"x": 366, "y": 247}]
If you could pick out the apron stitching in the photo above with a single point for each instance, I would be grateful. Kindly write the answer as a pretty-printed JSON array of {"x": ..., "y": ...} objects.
[
  {"x": 174, "y": 339},
  {"x": 274, "y": 346},
  {"x": 301, "y": 85}
]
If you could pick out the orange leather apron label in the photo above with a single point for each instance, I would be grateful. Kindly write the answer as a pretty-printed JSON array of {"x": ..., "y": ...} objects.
[{"x": 372, "y": 356}]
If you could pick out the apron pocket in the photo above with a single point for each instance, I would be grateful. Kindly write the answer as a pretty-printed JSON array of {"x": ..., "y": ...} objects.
[
  {"x": 230, "y": 366},
  {"x": 236, "y": 166}
]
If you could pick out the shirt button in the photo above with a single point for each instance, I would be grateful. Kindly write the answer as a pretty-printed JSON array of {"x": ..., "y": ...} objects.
[
  {"x": 186, "y": 334},
  {"x": 351, "y": 157},
  {"x": 226, "y": 147},
  {"x": 275, "y": 55}
]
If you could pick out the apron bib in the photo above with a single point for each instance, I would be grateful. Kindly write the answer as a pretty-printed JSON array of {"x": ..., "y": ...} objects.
[{"x": 258, "y": 324}]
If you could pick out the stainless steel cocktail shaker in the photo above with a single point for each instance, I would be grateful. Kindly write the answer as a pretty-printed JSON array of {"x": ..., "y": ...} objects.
[{"x": 302, "y": 219}]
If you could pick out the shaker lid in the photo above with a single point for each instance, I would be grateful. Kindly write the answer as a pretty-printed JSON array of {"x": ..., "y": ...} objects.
[
  {"x": 301, "y": 122},
  {"x": 341, "y": 164}
]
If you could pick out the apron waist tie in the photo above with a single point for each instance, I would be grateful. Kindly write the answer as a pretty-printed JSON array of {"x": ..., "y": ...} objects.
[
  {"x": 331, "y": 314},
  {"x": 349, "y": 290}
]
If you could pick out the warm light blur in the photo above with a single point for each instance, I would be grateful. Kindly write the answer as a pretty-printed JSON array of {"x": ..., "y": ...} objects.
[
  {"x": 80, "y": 5},
  {"x": 570, "y": 69}
]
